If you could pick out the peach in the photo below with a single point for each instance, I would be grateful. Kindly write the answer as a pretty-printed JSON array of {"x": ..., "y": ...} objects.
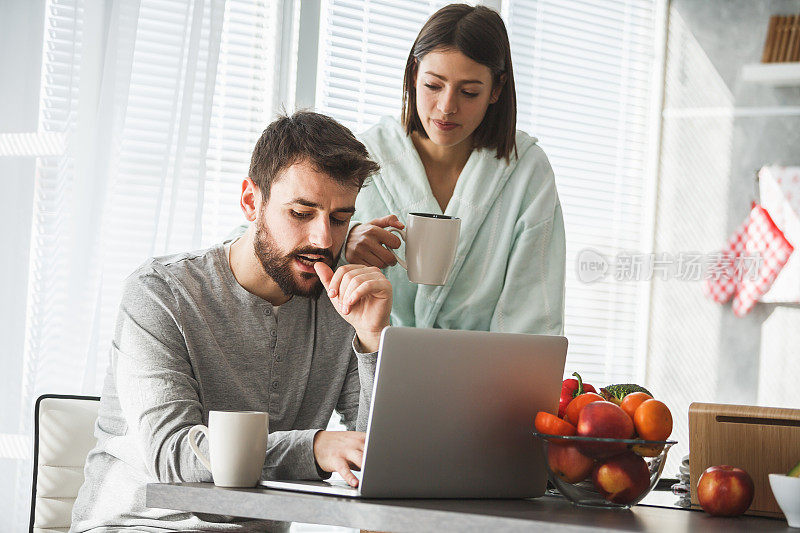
[
  {"x": 568, "y": 463},
  {"x": 725, "y": 490},
  {"x": 607, "y": 420},
  {"x": 622, "y": 478}
]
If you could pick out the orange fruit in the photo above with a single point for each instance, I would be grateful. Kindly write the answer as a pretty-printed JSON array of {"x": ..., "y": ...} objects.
[
  {"x": 632, "y": 401},
  {"x": 575, "y": 407},
  {"x": 652, "y": 420}
]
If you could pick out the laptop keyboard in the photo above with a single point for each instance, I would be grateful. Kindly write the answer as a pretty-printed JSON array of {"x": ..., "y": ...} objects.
[
  {"x": 338, "y": 481},
  {"x": 335, "y": 485}
]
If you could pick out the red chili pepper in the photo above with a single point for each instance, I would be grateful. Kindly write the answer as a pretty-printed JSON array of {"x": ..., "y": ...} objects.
[{"x": 570, "y": 388}]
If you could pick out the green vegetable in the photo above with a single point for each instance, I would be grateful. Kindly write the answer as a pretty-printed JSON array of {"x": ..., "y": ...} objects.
[
  {"x": 615, "y": 393},
  {"x": 794, "y": 472}
]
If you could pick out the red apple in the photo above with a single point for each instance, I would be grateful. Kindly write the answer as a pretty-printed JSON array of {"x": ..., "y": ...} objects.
[
  {"x": 568, "y": 463},
  {"x": 607, "y": 420},
  {"x": 725, "y": 490},
  {"x": 622, "y": 478}
]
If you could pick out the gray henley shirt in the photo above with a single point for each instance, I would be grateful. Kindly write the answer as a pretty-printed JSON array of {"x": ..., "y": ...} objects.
[{"x": 189, "y": 339}]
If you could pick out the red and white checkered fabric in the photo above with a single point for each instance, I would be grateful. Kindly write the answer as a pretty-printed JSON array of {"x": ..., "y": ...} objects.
[
  {"x": 721, "y": 280},
  {"x": 766, "y": 241},
  {"x": 749, "y": 263}
]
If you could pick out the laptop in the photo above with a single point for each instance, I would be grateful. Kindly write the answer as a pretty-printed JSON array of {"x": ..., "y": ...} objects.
[{"x": 452, "y": 414}]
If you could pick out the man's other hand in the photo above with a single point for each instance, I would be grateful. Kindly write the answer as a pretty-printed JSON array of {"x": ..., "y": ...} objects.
[{"x": 340, "y": 451}]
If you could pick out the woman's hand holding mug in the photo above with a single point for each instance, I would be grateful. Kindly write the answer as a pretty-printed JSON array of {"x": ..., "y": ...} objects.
[
  {"x": 431, "y": 245},
  {"x": 367, "y": 242}
]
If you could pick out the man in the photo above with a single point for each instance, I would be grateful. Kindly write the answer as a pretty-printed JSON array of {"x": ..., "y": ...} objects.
[{"x": 245, "y": 326}]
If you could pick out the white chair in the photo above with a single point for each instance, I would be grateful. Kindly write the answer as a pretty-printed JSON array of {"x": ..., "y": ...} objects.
[{"x": 63, "y": 437}]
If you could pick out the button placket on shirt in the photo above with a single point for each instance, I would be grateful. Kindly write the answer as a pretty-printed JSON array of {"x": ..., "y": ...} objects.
[
  {"x": 275, "y": 360},
  {"x": 272, "y": 327}
]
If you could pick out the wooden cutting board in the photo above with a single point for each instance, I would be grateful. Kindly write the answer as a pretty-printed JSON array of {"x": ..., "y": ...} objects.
[{"x": 760, "y": 440}]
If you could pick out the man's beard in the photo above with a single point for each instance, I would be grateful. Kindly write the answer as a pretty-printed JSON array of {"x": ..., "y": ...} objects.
[{"x": 279, "y": 266}]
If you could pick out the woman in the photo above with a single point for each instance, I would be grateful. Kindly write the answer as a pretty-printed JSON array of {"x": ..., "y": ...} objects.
[{"x": 456, "y": 151}]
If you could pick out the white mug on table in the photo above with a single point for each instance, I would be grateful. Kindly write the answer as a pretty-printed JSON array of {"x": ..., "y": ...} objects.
[
  {"x": 237, "y": 443},
  {"x": 431, "y": 244}
]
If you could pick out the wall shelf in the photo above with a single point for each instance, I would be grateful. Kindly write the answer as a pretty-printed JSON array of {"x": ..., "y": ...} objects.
[{"x": 775, "y": 74}]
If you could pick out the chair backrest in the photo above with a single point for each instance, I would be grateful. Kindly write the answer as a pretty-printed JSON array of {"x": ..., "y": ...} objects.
[{"x": 63, "y": 437}]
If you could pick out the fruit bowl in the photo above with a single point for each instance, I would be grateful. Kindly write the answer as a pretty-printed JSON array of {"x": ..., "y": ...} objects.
[{"x": 599, "y": 472}]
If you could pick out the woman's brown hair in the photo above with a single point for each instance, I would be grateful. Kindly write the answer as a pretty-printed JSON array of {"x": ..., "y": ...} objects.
[{"x": 479, "y": 33}]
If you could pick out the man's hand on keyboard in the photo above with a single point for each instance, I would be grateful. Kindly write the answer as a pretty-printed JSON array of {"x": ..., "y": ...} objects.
[{"x": 340, "y": 451}]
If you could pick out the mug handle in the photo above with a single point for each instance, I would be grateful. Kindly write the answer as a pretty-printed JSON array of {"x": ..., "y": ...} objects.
[
  {"x": 199, "y": 428},
  {"x": 402, "y": 234}
]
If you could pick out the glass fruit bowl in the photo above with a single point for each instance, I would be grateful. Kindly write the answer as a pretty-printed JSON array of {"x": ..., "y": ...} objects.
[{"x": 598, "y": 472}]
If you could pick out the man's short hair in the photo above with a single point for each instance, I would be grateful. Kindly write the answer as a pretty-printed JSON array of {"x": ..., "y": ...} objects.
[{"x": 310, "y": 137}]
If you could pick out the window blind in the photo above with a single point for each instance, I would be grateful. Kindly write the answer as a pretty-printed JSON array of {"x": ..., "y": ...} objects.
[
  {"x": 187, "y": 128},
  {"x": 364, "y": 45},
  {"x": 584, "y": 72},
  {"x": 52, "y": 207},
  {"x": 583, "y": 78}
]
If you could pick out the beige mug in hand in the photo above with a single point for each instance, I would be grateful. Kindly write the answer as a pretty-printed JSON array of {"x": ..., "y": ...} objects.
[
  {"x": 237, "y": 444},
  {"x": 431, "y": 244}
]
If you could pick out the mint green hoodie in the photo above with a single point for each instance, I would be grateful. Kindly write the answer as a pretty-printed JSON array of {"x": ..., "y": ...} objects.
[{"x": 510, "y": 265}]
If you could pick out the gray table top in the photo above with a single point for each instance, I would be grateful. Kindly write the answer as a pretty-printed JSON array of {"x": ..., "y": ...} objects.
[{"x": 547, "y": 513}]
